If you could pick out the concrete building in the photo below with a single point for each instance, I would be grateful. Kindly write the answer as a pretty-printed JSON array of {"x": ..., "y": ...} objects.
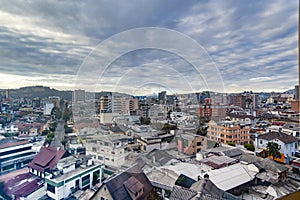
[
  {"x": 228, "y": 131},
  {"x": 296, "y": 92},
  {"x": 162, "y": 97},
  {"x": 78, "y": 96},
  {"x": 190, "y": 143},
  {"x": 108, "y": 149},
  {"x": 48, "y": 108},
  {"x": 105, "y": 102},
  {"x": 14, "y": 154},
  {"x": 155, "y": 140},
  {"x": 73, "y": 174}
]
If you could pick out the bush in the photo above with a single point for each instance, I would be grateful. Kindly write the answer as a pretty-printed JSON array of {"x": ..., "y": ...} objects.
[
  {"x": 231, "y": 144},
  {"x": 249, "y": 147}
]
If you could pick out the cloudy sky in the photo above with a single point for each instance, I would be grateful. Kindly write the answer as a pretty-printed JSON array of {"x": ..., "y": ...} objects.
[{"x": 227, "y": 46}]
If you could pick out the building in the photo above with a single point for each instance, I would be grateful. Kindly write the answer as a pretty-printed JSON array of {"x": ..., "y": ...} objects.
[
  {"x": 205, "y": 110},
  {"x": 296, "y": 92},
  {"x": 162, "y": 97},
  {"x": 105, "y": 102},
  {"x": 190, "y": 143},
  {"x": 131, "y": 184},
  {"x": 72, "y": 174},
  {"x": 295, "y": 106},
  {"x": 240, "y": 101},
  {"x": 288, "y": 144},
  {"x": 78, "y": 96},
  {"x": 46, "y": 161},
  {"x": 154, "y": 140},
  {"x": 48, "y": 108},
  {"x": 25, "y": 186},
  {"x": 36, "y": 103},
  {"x": 228, "y": 131},
  {"x": 14, "y": 154},
  {"x": 108, "y": 149},
  {"x": 55, "y": 100}
]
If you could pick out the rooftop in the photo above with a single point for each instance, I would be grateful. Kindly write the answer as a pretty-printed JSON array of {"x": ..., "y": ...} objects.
[
  {"x": 285, "y": 138},
  {"x": 10, "y": 142},
  {"x": 232, "y": 176}
]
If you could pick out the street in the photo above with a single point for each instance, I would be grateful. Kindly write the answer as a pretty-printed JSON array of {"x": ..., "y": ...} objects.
[{"x": 58, "y": 134}]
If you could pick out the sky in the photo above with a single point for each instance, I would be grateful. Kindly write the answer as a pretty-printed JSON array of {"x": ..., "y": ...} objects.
[{"x": 144, "y": 47}]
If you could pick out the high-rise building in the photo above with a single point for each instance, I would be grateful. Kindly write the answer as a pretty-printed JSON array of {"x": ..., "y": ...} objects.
[
  {"x": 162, "y": 97},
  {"x": 78, "y": 96},
  {"x": 105, "y": 103},
  {"x": 296, "y": 92},
  {"x": 240, "y": 101}
]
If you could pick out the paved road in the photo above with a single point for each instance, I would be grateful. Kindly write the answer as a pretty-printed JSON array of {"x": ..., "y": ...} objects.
[{"x": 58, "y": 134}]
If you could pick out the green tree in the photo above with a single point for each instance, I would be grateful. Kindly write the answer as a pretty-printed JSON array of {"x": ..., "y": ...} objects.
[
  {"x": 145, "y": 120},
  {"x": 249, "y": 147},
  {"x": 231, "y": 144},
  {"x": 273, "y": 150}
]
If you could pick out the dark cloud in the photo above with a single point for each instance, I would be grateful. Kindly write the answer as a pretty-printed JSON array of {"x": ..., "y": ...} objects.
[{"x": 252, "y": 41}]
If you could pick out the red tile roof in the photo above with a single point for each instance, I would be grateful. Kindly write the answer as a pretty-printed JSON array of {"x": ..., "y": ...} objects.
[{"x": 47, "y": 158}]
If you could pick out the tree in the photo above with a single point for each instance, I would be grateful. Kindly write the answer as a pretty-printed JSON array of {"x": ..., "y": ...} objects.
[
  {"x": 273, "y": 150},
  {"x": 231, "y": 144},
  {"x": 249, "y": 147}
]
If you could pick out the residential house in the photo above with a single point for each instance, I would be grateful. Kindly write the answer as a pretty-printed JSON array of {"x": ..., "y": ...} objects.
[
  {"x": 46, "y": 160},
  {"x": 130, "y": 184},
  {"x": 287, "y": 144}
]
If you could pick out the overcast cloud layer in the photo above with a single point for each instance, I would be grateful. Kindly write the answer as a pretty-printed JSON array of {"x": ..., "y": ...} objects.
[{"x": 252, "y": 43}]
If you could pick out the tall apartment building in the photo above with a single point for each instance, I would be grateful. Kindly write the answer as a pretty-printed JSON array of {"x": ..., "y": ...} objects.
[
  {"x": 78, "y": 96},
  {"x": 240, "y": 101},
  {"x": 162, "y": 97},
  {"x": 296, "y": 92},
  {"x": 105, "y": 103},
  {"x": 117, "y": 103},
  {"x": 228, "y": 131}
]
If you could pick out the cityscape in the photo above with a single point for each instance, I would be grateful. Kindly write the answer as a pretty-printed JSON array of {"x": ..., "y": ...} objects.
[{"x": 149, "y": 100}]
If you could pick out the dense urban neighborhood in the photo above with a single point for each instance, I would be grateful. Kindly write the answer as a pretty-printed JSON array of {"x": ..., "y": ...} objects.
[{"x": 109, "y": 145}]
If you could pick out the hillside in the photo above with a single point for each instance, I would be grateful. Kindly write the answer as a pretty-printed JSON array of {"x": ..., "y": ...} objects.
[{"x": 38, "y": 91}]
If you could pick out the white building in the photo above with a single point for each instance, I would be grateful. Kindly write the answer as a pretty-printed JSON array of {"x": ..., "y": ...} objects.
[
  {"x": 14, "y": 154},
  {"x": 71, "y": 176},
  {"x": 288, "y": 144},
  {"x": 48, "y": 108},
  {"x": 108, "y": 149}
]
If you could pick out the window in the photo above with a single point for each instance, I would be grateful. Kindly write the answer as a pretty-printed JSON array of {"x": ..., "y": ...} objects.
[
  {"x": 50, "y": 188},
  {"x": 100, "y": 158},
  {"x": 260, "y": 142}
]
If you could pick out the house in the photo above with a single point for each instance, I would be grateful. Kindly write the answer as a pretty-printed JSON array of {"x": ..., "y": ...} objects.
[
  {"x": 14, "y": 154},
  {"x": 288, "y": 144},
  {"x": 72, "y": 174},
  {"x": 46, "y": 160},
  {"x": 25, "y": 186},
  {"x": 127, "y": 185},
  {"x": 234, "y": 178},
  {"x": 190, "y": 143}
]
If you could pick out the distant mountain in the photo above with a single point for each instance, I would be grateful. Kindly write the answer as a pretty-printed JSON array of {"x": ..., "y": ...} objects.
[
  {"x": 291, "y": 91},
  {"x": 38, "y": 91}
]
